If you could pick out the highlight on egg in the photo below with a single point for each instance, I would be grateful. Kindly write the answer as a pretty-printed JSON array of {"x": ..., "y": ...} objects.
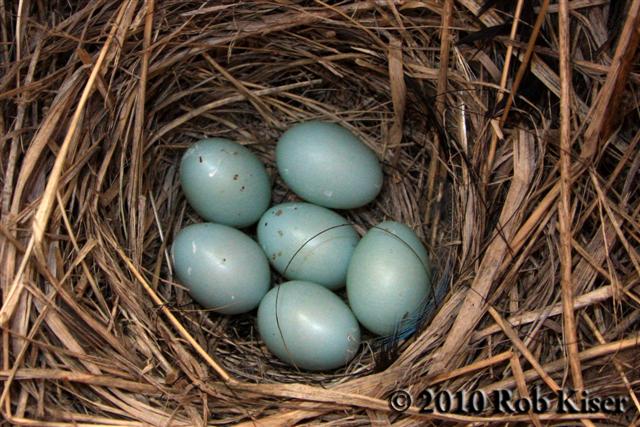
[
  {"x": 224, "y": 182},
  {"x": 389, "y": 279},
  {"x": 326, "y": 164},
  {"x": 308, "y": 242},
  {"x": 223, "y": 268},
  {"x": 308, "y": 326}
]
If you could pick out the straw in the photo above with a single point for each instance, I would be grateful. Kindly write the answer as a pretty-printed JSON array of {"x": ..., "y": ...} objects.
[{"x": 510, "y": 146}]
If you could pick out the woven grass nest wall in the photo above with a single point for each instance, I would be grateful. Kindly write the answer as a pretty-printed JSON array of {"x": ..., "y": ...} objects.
[{"x": 510, "y": 146}]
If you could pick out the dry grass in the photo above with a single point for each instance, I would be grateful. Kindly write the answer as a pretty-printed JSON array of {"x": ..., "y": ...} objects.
[{"x": 514, "y": 156}]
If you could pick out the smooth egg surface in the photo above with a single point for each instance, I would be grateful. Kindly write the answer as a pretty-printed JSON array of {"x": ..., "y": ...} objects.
[
  {"x": 224, "y": 182},
  {"x": 389, "y": 278},
  {"x": 308, "y": 242},
  {"x": 308, "y": 326},
  {"x": 326, "y": 164},
  {"x": 223, "y": 268}
]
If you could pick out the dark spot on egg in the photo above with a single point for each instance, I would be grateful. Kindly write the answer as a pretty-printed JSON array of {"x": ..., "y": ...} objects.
[
  {"x": 280, "y": 233},
  {"x": 235, "y": 153},
  {"x": 224, "y": 260},
  {"x": 279, "y": 212},
  {"x": 242, "y": 188},
  {"x": 200, "y": 158},
  {"x": 273, "y": 257},
  {"x": 280, "y": 253},
  {"x": 266, "y": 223},
  {"x": 235, "y": 177}
]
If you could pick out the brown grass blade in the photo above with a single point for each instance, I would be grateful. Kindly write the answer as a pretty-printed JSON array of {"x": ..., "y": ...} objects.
[{"x": 564, "y": 207}]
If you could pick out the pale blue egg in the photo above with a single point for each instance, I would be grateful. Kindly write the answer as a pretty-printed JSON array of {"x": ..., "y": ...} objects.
[
  {"x": 223, "y": 268},
  {"x": 224, "y": 182},
  {"x": 308, "y": 326},
  {"x": 308, "y": 242},
  {"x": 389, "y": 278},
  {"x": 328, "y": 165}
]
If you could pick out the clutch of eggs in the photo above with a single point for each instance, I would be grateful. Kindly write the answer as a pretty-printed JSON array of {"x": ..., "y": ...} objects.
[{"x": 302, "y": 322}]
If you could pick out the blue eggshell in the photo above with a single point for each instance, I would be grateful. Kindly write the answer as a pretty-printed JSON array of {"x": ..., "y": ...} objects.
[
  {"x": 308, "y": 326},
  {"x": 389, "y": 278},
  {"x": 328, "y": 165},
  {"x": 224, "y": 182},
  {"x": 223, "y": 268},
  {"x": 308, "y": 242}
]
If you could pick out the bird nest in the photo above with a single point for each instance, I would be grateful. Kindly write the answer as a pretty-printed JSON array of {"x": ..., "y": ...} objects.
[{"x": 509, "y": 141}]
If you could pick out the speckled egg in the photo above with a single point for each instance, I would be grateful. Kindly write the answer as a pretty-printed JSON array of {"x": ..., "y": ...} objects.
[
  {"x": 389, "y": 278},
  {"x": 308, "y": 326},
  {"x": 224, "y": 182},
  {"x": 308, "y": 242},
  {"x": 326, "y": 164},
  {"x": 223, "y": 268}
]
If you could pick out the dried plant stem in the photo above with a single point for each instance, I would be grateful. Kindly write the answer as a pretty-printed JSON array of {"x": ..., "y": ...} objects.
[
  {"x": 480, "y": 364},
  {"x": 445, "y": 37},
  {"x": 522, "y": 348},
  {"x": 524, "y": 65},
  {"x": 608, "y": 101},
  {"x": 618, "y": 365},
  {"x": 521, "y": 383},
  {"x": 558, "y": 365},
  {"x": 564, "y": 207},
  {"x": 175, "y": 322},
  {"x": 585, "y": 300},
  {"x": 503, "y": 84}
]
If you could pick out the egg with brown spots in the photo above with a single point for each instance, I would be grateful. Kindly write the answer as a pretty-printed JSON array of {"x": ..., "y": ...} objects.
[
  {"x": 308, "y": 242},
  {"x": 224, "y": 182}
]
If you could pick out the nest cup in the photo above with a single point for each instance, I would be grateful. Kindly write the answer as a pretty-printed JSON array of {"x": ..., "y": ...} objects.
[
  {"x": 264, "y": 85},
  {"x": 111, "y": 94}
]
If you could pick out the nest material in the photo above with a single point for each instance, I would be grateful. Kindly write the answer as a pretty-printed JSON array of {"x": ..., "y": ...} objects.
[{"x": 516, "y": 166}]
